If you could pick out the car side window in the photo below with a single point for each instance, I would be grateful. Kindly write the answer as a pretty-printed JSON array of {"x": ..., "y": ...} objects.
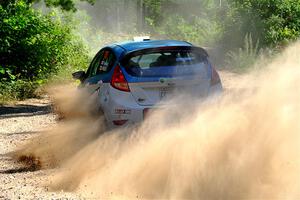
[{"x": 102, "y": 63}]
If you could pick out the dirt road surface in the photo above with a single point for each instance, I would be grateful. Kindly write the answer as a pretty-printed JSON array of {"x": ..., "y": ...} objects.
[{"x": 19, "y": 123}]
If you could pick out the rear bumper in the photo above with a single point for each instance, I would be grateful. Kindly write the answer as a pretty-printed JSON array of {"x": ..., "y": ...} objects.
[{"x": 122, "y": 110}]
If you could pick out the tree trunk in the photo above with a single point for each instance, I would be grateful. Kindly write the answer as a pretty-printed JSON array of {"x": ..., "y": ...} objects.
[{"x": 140, "y": 15}]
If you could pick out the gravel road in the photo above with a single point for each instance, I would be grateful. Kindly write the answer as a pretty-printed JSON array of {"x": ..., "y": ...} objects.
[{"x": 19, "y": 123}]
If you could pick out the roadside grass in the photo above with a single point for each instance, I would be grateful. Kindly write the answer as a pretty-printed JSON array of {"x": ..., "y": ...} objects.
[
  {"x": 17, "y": 90},
  {"x": 242, "y": 59},
  {"x": 249, "y": 57}
]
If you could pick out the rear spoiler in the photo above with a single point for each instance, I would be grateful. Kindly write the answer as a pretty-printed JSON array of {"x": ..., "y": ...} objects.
[{"x": 159, "y": 49}]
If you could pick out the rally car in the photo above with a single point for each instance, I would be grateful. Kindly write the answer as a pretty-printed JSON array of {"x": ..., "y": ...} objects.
[{"x": 131, "y": 78}]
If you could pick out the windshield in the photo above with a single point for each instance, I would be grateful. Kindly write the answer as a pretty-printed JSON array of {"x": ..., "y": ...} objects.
[{"x": 166, "y": 62}]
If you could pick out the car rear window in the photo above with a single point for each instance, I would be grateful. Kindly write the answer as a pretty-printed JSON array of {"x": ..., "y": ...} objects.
[{"x": 166, "y": 62}]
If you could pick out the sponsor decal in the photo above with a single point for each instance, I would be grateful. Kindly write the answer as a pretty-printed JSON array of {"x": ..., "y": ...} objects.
[{"x": 122, "y": 111}]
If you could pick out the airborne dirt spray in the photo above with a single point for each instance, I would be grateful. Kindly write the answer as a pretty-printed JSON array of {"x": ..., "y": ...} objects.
[
  {"x": 77, "y": 127},
  {"x": 244, "y": 146}
]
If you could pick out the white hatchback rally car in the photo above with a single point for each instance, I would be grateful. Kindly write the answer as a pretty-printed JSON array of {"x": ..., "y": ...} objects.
[{"x": 132, "y": 77}]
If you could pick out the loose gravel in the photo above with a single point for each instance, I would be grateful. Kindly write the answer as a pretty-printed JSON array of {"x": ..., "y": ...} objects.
[{"x": 18, "y": 124}]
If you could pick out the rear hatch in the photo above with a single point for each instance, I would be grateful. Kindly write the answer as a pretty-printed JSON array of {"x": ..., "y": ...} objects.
[{"x": 157, "y": 74}]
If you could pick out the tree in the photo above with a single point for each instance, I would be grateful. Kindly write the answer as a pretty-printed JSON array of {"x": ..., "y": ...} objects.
[
  {"x": 34, "y": 46},
  {"x": 67, "y": 5},
  {"x": 274, "y": 22}
]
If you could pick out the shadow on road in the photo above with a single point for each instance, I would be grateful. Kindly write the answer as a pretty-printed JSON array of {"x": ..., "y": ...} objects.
[
  {"x": 24, "y": 110},
  {"x": 19, "y": 170}
]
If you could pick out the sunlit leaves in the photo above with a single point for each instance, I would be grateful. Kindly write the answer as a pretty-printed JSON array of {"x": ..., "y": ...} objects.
[{"x": 34, "y": 46}]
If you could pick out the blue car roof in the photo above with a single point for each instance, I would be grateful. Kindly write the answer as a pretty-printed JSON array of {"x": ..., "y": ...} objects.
[{"x": 125, "y": 47}]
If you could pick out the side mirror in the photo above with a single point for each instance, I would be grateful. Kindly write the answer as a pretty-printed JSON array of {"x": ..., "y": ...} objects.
[{"x": 80, "y": 75}]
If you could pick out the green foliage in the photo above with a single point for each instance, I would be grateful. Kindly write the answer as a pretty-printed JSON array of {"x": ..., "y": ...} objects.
[
  {"x": 194, "y": 21},
  {"x": 154, "y": 10},
  {"x": 68, "y": 5},
  {"x": 18, "y": 89},
  {"x": 34, "y": 47},
  {"x": 198, "y": 30},
  {"x": 275, "y": 22}
]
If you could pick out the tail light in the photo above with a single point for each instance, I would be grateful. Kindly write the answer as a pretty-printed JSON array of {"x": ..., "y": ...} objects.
[
  {"x": 119, "y": 122},
  {"x": 118, "y": 80},
  {"x": 215, "y": 78}
]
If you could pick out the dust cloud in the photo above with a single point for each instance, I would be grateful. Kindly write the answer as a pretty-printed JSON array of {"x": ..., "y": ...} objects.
[
  {"x": 77, "y": 127},
  {"x": 244, "y": 145}
]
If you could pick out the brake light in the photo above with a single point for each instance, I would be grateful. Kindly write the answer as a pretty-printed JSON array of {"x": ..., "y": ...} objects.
[
  {"x": 118, "y": 80},
  {"x": 215, "y": 78},
  {"x": 119, "y": 122}
]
